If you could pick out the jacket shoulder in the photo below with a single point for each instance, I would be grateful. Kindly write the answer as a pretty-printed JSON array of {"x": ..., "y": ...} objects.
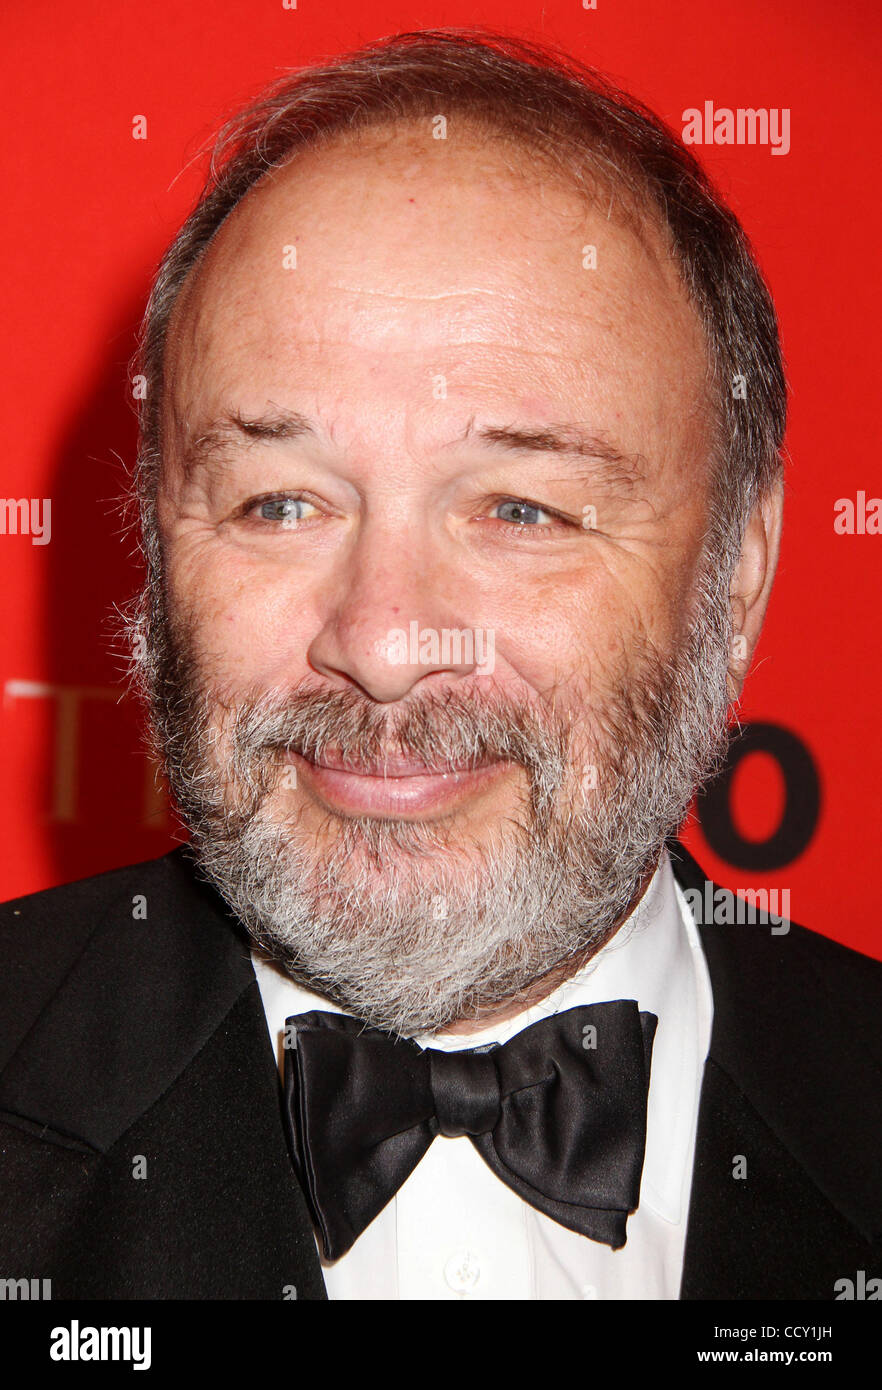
[
  {"x": 758, "y": 950},
  {"x": 44, "y": 935},
  {"x": 69, "y": 906}
]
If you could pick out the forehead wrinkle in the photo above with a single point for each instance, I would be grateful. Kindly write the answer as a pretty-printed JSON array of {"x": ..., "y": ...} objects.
[{"x": 460, "y": 293}]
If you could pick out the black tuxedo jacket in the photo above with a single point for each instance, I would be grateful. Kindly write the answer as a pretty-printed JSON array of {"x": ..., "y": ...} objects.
[{"x": 142, "y": 1153}]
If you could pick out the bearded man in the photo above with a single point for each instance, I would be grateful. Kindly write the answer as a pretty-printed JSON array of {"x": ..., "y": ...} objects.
[{"x": 460, "y": 490}]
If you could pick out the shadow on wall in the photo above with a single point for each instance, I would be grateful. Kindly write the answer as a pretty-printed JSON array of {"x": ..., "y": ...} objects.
[{"x": 96, "y": 781}]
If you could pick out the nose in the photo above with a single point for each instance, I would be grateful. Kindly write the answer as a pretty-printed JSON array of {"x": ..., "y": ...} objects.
[{"x": 392, "y": 620}]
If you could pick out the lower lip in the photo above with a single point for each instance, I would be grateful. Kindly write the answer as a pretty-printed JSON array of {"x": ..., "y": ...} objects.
[{"x": 358, "y": 794}]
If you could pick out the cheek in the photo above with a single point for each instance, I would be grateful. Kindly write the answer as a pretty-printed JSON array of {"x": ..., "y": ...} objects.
[
  {"x": 575, "y": 638},
  {"x": 247, "y": 626}
]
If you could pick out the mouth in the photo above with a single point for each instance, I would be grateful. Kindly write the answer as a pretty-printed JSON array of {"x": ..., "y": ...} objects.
[{"x": 393, "y": 787}]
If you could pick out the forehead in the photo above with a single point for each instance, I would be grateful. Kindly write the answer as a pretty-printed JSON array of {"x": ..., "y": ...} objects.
[{"x": 391, "y": 257}]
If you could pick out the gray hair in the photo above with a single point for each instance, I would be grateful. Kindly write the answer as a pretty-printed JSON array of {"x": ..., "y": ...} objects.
[{"x": 544, "y": 101}]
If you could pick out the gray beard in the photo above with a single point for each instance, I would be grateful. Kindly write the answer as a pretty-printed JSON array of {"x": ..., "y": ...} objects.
[{"x": 411, "y": 926}]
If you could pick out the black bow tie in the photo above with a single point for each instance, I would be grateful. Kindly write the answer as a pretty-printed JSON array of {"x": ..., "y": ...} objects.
[{"x": 558, "y": 1113}]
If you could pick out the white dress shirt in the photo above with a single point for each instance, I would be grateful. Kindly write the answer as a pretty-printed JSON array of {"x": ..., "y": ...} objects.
[{"x": 455, "y": 1231}]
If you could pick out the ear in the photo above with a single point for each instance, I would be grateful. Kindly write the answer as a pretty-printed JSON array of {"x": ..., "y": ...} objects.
[{"x": 752, "y": 582}]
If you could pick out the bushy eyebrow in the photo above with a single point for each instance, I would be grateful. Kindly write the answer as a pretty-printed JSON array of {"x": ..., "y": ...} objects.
[
  {"x": 614, "y": 466},
  {"x": 233, "y": 428},
  {"x": 611, "y": 465}
]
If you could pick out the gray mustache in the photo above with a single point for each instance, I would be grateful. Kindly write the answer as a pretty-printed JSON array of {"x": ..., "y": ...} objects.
[{"x": 438, "y": 730}]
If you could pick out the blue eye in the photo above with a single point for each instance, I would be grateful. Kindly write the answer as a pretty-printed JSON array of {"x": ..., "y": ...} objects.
[
  {"x": 285, "y": 509},
  {"x": 522, "y": 514}
]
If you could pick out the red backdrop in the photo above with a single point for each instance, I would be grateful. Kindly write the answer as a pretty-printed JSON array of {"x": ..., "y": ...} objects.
[{"x": 88, "y": 211}]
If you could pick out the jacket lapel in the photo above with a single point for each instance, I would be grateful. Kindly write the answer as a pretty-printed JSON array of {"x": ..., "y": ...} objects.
[
  {"x": 782, "y": 1202},
  {"x": 143, "y": 1111}
]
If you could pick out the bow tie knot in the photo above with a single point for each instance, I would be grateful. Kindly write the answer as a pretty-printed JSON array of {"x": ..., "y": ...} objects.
[{"x": 466, "y": 1092}]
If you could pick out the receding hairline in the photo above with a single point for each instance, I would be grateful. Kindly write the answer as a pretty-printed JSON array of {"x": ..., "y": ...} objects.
[{"x": 518, "y": 154}]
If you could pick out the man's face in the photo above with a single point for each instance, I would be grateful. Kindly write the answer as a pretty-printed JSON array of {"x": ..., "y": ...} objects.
[{"x": 406, "y": 400}]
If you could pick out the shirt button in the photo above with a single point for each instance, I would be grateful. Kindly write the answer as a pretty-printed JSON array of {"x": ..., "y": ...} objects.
[{"x": 462, "y": 1271}]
